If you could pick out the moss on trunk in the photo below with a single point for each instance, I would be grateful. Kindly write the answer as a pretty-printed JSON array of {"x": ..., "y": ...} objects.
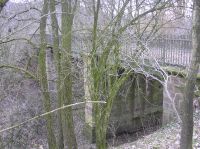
[
  {"x": 68, "y": 10},
  {"x": 57, "y": 61},
  {"x": 43, "y": 78}
]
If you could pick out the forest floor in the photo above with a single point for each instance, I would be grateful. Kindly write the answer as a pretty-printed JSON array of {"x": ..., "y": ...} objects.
[{"x": 166, "y": 137}]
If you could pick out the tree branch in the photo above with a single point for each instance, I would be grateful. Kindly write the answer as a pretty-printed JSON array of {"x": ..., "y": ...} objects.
[{"x": 20, "y": 69}]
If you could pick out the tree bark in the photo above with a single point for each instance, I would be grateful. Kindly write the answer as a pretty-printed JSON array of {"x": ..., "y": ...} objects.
[
  {"x": 66, "y": 65},
  {"x": 43, "y": 77},
  {"x": 56, "y": 53},
  {"x": 187, "y": 104}
]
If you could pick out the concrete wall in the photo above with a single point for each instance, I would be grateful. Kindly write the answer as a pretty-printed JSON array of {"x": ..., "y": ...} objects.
[
  {"x": 138, "y": 105},
  {"x": 172, "y": 99},
  {"x": 172, "y": 103}
]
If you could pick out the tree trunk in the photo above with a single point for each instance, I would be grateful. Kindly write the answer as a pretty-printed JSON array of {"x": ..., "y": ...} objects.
[
  {"x": 66, "y": 64},
  {"x": 187, "y": 104},
  {"x": 56, "y": 52},
  {"x": 43, "y": 77},
  {"x": 100, "y": 135}
]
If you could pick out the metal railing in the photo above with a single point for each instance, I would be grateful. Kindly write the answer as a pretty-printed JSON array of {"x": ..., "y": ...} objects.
[{"x": 167, "y": 49}]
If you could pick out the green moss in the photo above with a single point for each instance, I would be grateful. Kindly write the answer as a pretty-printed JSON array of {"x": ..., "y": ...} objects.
[
  {"x": 89, "y": 132},
  {"x": 197, "y": 94},
  {"x": 178, "y": 71},
  {"x": 2, "y": 2}
]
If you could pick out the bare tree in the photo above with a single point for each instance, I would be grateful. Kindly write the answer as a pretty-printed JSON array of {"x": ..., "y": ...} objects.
[
  {"x": 105, "y": 63},
  {"x": 43, "y": 77},
  {"x": 57, "y": 62},
  {"x": 68, "y": 12},
  {"x": 187, "y": 103}
]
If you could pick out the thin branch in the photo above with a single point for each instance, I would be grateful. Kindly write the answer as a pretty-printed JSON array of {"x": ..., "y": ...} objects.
[
  {"x": 20, "y": 69},
  {"x": 50, "y": 112}
]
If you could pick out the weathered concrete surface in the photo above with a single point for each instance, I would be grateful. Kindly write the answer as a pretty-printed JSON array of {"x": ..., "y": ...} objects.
[
  {"x": 173, "y": 95},
  {"x": 137, "y": 106}
]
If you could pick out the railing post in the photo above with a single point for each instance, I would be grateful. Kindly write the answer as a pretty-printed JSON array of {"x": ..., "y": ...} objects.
[{"x": 163, "y": 49}]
